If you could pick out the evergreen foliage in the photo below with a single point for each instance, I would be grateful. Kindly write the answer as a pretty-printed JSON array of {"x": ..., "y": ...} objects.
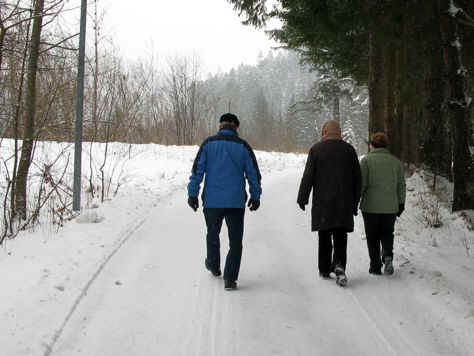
[{"x": 414, "y": 56}]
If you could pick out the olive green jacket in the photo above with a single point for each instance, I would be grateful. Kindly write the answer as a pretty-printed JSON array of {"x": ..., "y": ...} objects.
[{"x": 383, "y": 182}]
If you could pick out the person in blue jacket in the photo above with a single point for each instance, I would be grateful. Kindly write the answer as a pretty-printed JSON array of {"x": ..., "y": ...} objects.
[{"x": 226, "y": 161}]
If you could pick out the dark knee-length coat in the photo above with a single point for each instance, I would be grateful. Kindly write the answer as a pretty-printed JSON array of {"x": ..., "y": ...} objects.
[{"x": 332, "y": 173}]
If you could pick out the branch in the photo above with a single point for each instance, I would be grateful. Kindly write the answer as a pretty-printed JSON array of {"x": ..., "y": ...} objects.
[
  {"x": 13, "y": 12},
  {"x": 29, "y": 18},
  {"x": 6, "y": 221},
  {"x": 54, "y": 186},
  {"x": 466, "y": 23},
  {"x": 458, "y": 12},
  {"x": 58, "y": 45}
]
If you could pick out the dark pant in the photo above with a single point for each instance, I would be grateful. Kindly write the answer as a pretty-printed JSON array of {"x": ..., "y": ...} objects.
[
  {"x": 329, "y": 239},
  {"x": 379, "y": 232},
  {"x": 234, "y": 219}
]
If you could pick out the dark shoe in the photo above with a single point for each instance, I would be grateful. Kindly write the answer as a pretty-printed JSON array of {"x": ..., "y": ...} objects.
[
  {"x": 324, "y": 275},
  {"x": 230, "y": 285},
  {"x": 388, "y": 269},
  {"x": 216, "y": 272},
  {"x": 341, "y": 278},
  {"x": 377, "y": 272}
]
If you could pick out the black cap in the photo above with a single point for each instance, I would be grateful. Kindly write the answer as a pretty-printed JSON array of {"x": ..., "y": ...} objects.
[{"x": 231, "y": 118}]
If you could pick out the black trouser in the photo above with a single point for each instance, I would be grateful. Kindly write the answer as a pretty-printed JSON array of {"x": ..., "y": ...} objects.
[
  {"x": 234, "y": 219},
  {"x": 329, "y": 239},
  {"x": 379, "y": 232}
]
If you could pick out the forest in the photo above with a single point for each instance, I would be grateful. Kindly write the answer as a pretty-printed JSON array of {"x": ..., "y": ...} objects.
[{"x": 415, "y": 57}]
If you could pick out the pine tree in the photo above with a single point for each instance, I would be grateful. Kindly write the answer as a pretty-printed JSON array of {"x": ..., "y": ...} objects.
[{"x": 415, "y": 68}]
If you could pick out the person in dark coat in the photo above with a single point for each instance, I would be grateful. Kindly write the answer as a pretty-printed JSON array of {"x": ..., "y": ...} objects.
[
  {"x": 332, "y": 172},
  {"x": 226, "y": 161}
]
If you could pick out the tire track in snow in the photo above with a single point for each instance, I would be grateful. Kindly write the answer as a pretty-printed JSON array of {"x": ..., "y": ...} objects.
[
  {"x": 227, "y": 344},
  {"x": 371, "y": 321},
  {"x": 215, "y": 306},
  {"x": 126, "y": 235},
  {"x": 203, "y": 326},
  {"x": 368, "y": 314},
  {"x": 194, "y": 321}
]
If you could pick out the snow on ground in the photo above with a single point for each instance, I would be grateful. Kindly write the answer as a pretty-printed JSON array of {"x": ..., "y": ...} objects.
[{"x": 51, "y": 281}]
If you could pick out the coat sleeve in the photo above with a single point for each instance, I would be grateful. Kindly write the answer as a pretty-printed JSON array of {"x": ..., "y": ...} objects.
[
  {"x": 252, "y": 173},
  {"x": 364, "y": 170},
  {"x": 401, "y": 185},
  {"x": 357, "y": 179},
  {"x": 197, "y": 172},
  {"x": 307, "y": 180}
]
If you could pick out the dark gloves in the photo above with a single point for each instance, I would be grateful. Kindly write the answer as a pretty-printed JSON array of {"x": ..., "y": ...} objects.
[
  {"x": 401, "y": 208},
  {"x": 253, "y": 204},
  {"x": 193, "y": 202},
  {"x": 302, "y": 206}
]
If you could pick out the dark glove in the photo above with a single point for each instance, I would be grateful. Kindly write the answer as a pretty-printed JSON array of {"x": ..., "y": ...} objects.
[
  {"x": 401, "y": 208},
  {"x": 302, "y": 206},
  {"x": 193, "y": 202},
  {"x": 253, "y": 204}
]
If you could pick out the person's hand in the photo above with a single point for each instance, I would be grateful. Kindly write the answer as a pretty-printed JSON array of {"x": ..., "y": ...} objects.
[
  {"x": 401, "y": 209},
  {"x": 356, "y": 212},
  {"x": 253, "y": 204},
  {"x": 302, "y": 206},
  {"x": 193, "y": 202}
]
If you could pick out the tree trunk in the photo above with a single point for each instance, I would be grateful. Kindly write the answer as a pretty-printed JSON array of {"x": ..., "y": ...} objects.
[
  {"x": 411, "y": 86},
  {"x": 391, "y": 102},
  {"x": 377, "y": 87},
  {"x": 436, "y": 146},
  {"x": 16, "y": 119},
  {"x": 463, "y": 165},
  {"x": 3, "y": 32},
  {"x": 96, "y": 74},
  {"x": 335, "y": 107},
  {"x": 30, "y": 110}
]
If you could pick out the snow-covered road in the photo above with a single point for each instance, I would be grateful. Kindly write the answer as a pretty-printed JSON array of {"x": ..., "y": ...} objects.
[{"x": 154, "y": 297}]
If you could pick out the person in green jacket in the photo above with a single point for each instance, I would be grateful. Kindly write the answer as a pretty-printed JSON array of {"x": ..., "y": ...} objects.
[{"x": 382, "y": 201}]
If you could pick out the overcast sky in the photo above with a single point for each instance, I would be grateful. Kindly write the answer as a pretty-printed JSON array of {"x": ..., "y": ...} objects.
[{"x": 210, "y": 28}]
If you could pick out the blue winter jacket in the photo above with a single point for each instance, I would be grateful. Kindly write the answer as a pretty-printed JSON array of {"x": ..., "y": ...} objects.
[{"x": 226, "y": 160}]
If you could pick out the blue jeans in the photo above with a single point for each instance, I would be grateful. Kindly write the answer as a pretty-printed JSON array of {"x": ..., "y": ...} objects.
[{"x": 234, "y": 219}]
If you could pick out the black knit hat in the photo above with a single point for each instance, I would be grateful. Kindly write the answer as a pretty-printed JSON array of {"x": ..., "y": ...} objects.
[{"x": 231, "y": 118}]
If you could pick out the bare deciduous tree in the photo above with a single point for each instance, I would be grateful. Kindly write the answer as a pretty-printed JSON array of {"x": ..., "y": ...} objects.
[
  {"x": 184, "y": 98},
  {"x": 30, "y": 110}
]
